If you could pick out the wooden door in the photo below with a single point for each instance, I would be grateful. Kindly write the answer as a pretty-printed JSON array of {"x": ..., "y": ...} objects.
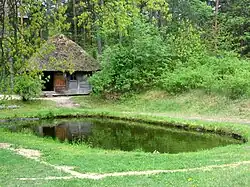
[
  {"x": 61, "y": 133},
  {"x": 59, "y": 82}
]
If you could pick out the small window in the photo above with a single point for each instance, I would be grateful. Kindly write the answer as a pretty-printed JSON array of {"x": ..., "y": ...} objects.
[{"x": 72, "y": 77}]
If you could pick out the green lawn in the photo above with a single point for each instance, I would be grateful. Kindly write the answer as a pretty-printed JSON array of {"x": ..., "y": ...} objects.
[
  {"x": 195, "y": 103},
  {"x": 89, "y": 160},
  {"x": 25, "y": 108},
  {"x": 15, "y": 166},
  {"x": 235, "y": 177}
]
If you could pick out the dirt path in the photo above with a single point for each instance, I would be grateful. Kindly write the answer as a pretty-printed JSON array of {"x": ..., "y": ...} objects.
[
  {"x": 35, "y": 155},
  {"x": 64, "y": 101},
  {"x": 95, "y": 176},
  {"x": 196, "y": 117}
]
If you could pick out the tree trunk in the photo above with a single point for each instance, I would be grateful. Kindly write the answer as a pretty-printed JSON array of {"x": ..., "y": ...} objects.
[
  {"x": 216, "y": 24},
  {"x": 99, "y": 39},
  {"x": 74, "y": 19},
  {"x": 2, "y": 31},
  {"x": 99, "y": 44},
  {"x": 21, "y": 18}
]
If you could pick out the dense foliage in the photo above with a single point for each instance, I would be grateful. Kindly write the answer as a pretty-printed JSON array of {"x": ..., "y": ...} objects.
[
  {"x": 28, "y": 86},
  {"x": 174, "y": 45},
  {"x": 225, "y": 75},
  {"x": 235, "y": 26},
  {"x": 135, "y": 65}
]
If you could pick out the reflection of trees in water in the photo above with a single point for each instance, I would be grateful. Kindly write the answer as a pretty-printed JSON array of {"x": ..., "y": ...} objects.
[
  {"x": 112, "y": 136},
  {"x": 131, "y": 137},
  {"x": 128, "y": 138},
  {"x": 109, "y": 134}
]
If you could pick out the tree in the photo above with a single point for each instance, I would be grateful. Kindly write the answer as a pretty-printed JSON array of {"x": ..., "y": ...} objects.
[
  {"x": 109, "y": 21},
  {"x": 135, "y": 65},
  {"x": 24, "y": 23},
  {"x": 198, "y": 12},
  {"x": 235, "y": 25}
]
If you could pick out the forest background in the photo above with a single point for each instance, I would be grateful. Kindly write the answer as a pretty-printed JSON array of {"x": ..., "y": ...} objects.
[{"x": 173, "y": 45}]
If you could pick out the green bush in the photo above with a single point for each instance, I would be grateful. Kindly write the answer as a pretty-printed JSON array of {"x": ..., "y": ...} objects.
[
  {"x": 134, "y": 65},
  {"x": 185, "y": 47},
  {"x": 28, "y": 86},
  {"x": 227, "y": 75},
  {"x": 234, "y": 82},
  {"x": 184, "y": 79},
  {"x": 180, "y": 63}
]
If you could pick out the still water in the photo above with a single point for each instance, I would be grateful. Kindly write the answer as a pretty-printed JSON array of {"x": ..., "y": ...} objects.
[{"x": 120, "y": 135}]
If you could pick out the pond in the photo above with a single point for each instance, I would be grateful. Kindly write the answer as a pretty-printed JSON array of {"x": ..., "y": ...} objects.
[{"x": 121, "y": 135}]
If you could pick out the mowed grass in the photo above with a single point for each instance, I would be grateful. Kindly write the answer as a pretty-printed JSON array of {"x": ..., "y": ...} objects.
[
  {"x": 29, "y": 107},
  {"x": 13, "y": 166},
  {"x": 196, "y": 104},
  {"x": 89, "y": 160},
  {"x": 235, "y": 177}
]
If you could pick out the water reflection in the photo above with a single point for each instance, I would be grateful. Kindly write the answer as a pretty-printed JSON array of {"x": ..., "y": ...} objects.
[
  {"x": 66, "y": 130},
  {"x": 127, "y": 136}
]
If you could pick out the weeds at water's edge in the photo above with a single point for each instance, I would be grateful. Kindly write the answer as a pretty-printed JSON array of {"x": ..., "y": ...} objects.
[{"x": 235, "y": 131}]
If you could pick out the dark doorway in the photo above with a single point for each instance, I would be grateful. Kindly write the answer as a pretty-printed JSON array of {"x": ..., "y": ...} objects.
[
  {"x": 48, "y": 77},
  {"x": 49, "y": 131}
]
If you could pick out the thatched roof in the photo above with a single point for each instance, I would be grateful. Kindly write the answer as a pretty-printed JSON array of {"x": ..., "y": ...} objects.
[{"x": 62, "y": 54}]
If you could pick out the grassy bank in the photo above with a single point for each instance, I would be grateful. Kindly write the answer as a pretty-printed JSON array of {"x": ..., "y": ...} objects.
[
  {"x": 153, "y": 107},
  {"x": 88, "y": 160},
  {"x": 195, "y": 103},
  {"x": 29, "y": 108},
  {"x": 237, "y": 131}
]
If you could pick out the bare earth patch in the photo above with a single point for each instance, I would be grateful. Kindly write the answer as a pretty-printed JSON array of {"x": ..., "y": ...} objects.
[
  {"x": 35, "y": 155},
  {"x": 64, "y": 102},
  {"x": 5, "y": 145},
  {"x": 96, "y": 176},
  {"x": 29, "y": 153},
  {"x": 196, "y": 117}
]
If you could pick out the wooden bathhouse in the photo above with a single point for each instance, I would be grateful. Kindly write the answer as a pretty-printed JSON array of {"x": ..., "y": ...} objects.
[{"x": 66, "y": 67}]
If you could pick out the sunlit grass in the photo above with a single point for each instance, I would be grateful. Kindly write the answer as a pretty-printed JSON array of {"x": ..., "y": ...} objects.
[
  {"x": 89, "y": 160},
  {"x": 86, "y": 159},
  {"x": 193, "y": 103}
]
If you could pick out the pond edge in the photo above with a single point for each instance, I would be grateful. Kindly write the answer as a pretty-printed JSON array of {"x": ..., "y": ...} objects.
[{"x": 171, "y": 123}]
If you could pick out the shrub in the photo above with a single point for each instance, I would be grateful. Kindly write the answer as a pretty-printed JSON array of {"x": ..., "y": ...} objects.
[
  {"x": 177, "y": 64},
  {"x": 184, "y": 79},
  {"x": 185, "y": 47},
  {"x": 134, "y": 65},
  {"x": 28, "y": 86},
  {"x": 227, "y": 75},
  {"x": 231, "y": 79}
]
